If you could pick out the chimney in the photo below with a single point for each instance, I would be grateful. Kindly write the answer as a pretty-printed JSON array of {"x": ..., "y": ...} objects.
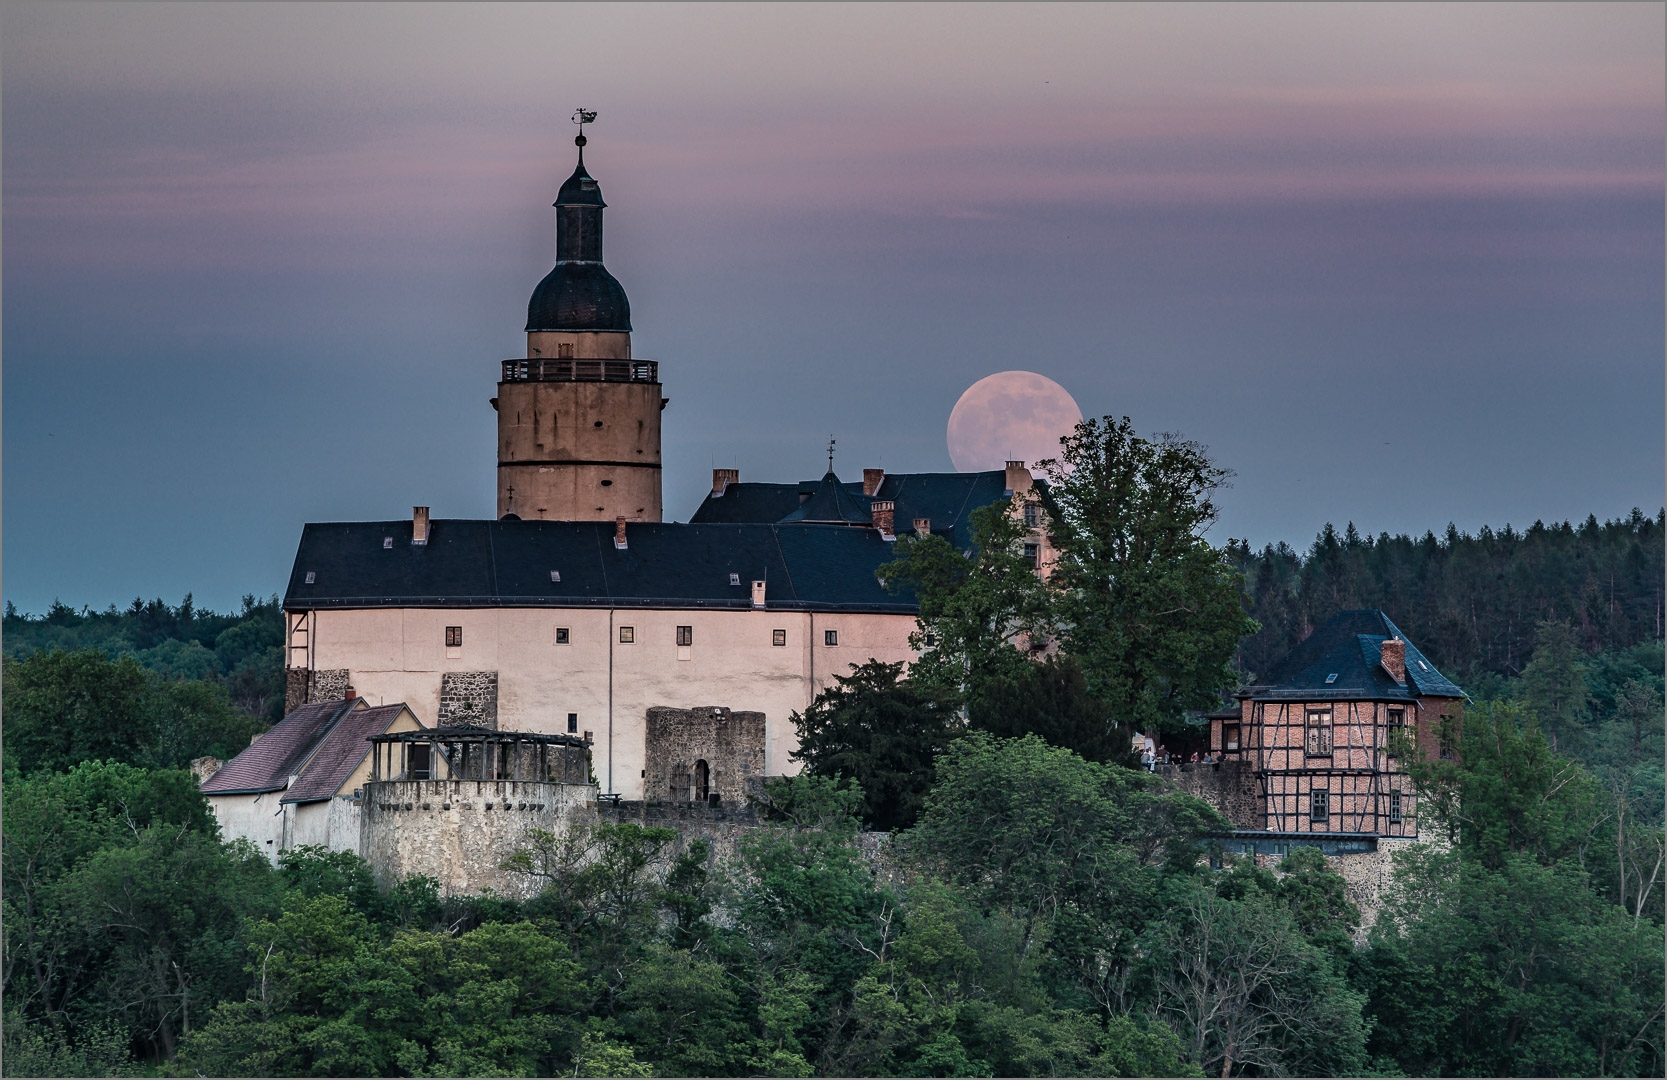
[
  {"x": 923, "y": 526},
  {"x": 1018, "y": 477},
  {"x": 1395, "y": 659},
  {"x": 758, "y": 594},
  {"x": 619, "y": 534},
  {"x": 419, "y": 524},
  {"x": 871, "y": 481},
  {"x": 882, "y": 511},
  {"x": 348, "y": 694},
  {"x": 722, "y": 478}
]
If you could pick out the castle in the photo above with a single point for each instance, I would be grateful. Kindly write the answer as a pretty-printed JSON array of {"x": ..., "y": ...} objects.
[{"x": 579, "y": 652}]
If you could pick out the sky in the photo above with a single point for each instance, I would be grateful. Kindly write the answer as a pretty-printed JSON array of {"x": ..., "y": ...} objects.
[{"x": 1400, "y": 265}]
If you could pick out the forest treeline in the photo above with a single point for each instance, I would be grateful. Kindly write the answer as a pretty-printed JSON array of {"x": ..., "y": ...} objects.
[{"x": 1472, "y": 603}]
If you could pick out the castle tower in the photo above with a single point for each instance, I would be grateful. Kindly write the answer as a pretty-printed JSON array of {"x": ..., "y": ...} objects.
[{"x": 579, "y": 419}]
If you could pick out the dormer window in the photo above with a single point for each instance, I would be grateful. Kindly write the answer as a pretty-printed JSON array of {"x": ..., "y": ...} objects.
[{"x": 735, "y": 579}]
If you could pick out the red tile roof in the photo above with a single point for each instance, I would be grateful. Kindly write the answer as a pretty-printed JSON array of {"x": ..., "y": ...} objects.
[
  {"x": 341, "y": 750},
  {"x": 279, "y": 754}
]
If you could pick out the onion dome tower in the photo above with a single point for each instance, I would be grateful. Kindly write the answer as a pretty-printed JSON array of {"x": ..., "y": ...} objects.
[{"x": 579, "y": 418}]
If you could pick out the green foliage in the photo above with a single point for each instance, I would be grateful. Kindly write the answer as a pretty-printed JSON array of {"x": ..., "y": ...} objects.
[
  {"x": 979, "y": 609},
  {"x": 1516, "y": 969},
  {"x": 883, "y": 732},
  {"x": 1051, "y": 700},
  {"x": 1554, "y": 683},
  {"x": 1152, "y": 611},
  {"x": 30, "y": 1049},
  {"x": 63, "y": 708}
]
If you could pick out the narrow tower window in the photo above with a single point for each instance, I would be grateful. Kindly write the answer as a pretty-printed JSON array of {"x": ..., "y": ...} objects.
[{"x": 703, "y": 781}]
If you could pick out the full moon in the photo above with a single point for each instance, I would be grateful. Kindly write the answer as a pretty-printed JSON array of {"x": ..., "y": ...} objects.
[{"x": 1010, "y": 416}]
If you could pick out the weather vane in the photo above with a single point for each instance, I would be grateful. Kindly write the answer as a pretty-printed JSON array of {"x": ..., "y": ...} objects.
[
  {"x": 830, "y": 452},
  {"x": 583, "y": 117}
]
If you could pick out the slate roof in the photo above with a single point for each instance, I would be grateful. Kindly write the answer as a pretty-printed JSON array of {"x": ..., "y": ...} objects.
[
  {"x": 946, "y": 498},
  {"x": 1349, "y": 646},
  {"x": 579, "y": 296},
  {"x": 280, "y": 753},
  {"x": 339, "y": 752},
  {"x": 833, "y": 503},
  {"x": 509, "y": 564}
]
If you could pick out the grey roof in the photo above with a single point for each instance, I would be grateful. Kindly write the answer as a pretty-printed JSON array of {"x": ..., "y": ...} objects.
[
  {"x": 1346, "y": 649},
  {"x": 510, "y": 563},
  {"x": 280, "y": 753},
  {"x": 946, "y": 498},
  {"x": 580, "y": 189},
  {"x": 833, "y": 503},
  {"x": 341, "y": 749},
  {"x": 579, "y": 296}
]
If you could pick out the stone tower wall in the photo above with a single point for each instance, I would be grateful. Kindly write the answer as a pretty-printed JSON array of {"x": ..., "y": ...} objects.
[
  {"x": 731, "y": 743},
  {"x": 579, "y": 451},
  {"x": 459, "y": 832}
]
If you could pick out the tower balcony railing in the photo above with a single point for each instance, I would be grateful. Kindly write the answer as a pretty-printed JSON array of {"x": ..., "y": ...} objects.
[{"x": 573, "y": 369}]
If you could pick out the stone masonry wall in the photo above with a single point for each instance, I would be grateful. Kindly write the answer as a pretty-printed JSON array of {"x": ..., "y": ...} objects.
[
  {"x": 328, "y": 684},
  {"x": 296, "y": 683},
  {"x": 468, "y": 697},
  {"x": 1229, "y": 786},
  {"x": 731, "y": 743},
  {"x": 460, "y": 831}
]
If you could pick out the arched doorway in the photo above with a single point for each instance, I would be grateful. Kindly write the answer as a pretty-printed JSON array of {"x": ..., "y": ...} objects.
[{"x": 703, "y": 780}]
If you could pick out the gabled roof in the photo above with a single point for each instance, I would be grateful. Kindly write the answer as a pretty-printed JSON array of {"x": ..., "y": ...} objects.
[
  {"x": 343, "y": 747},
  {"x": 280, "y": 753},
  {"x": 1343, "y": 659},
  {"x": 947, "y": 499},
  {"x": 511, "y": 564}
]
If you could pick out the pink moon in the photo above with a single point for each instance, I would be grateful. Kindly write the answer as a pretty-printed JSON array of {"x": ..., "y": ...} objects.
[{"x": 1010, "y": 416}]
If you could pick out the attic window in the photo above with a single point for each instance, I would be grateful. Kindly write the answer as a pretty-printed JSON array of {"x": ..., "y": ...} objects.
[
  {"x": 778, "y": 638},
  {"x": 387, "y": 543},
  {"x": 555, "y": 575},
  {"x": 564, "y": 635},
  {"x": 830, "y": 637},
  {"x": 454, "y": 637},
  {"x": 735, "y": 579},
  {"x": 312, "y": 576},
  {"x": 1329, "y": 679}
]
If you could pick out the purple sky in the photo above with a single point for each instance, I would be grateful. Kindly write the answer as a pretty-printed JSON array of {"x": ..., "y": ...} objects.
[{"x": 1400, "y": 265}]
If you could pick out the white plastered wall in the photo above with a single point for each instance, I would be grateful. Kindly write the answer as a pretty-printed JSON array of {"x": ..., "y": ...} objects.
[{"x": 399, "y": 654}]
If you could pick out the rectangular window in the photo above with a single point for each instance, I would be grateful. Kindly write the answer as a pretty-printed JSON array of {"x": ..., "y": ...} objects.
[
  {"x": 419, "y": 761},
  {"x": 685, "y": 636},
  {"x": 564, "y": 349},
  {"x": 563, "y": 636},
  {"x": 1319, "y": 807},
  {"x": 1397, "y": 718},
  {"x": 1229, "y": 736},
  {"x": 778, "y": 638},
  {"x": 1394, "y": 807},
  {"x": 1033, "y": 554},
  {"x": 830, "y": 637},
  {"x": 1318, "y": 740},
  {"x": 627, "y": 635},
  {"x": 454, "y": 637},
  {"x": 1033, "y": 515},
  {"x": 572, "y": 723}
]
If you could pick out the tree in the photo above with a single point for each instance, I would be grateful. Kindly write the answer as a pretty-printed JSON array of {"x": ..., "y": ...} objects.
[
  {"x": 1051, "y": 699},
  {"x": 1152, "y": 611},
  {"x": 882, "y": 731},
  {"x": 1554, "y": 683},
  {"x": 980, "y": 610},
  {"x": 1246, "y": 990},
  {"x": 63, "y": 708}
]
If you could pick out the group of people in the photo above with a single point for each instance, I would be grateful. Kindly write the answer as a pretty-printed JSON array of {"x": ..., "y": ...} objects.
[{"x": 1151, "y": 758}]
